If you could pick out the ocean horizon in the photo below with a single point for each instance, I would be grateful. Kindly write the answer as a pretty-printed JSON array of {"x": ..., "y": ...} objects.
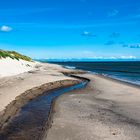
[{"x": 127, "y": 71}]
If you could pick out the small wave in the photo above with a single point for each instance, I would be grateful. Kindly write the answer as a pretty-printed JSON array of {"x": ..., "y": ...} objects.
[
  {"x": 112, "y": 70},
  {"x": 134, "y": 82},
  {"x": 70, "y": 67},
  {"x": 119, "y": 78}
]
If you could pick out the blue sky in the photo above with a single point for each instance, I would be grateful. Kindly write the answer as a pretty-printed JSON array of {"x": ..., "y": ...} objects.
[{"x": 71, "y": 28}]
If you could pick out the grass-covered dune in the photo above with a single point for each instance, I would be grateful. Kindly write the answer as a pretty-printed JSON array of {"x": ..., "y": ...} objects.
[{"x": 14, "y": 55}]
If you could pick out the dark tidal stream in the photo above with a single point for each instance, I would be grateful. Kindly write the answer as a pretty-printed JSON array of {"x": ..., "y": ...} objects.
[{"x": 34, "y": 117}]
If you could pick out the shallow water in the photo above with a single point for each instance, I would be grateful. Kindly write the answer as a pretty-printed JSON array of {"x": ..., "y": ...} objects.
[{"x": 33, "y": 117}]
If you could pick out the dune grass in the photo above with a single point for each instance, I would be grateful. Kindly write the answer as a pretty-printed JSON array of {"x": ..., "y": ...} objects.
[{"x": 14, "y": 55}]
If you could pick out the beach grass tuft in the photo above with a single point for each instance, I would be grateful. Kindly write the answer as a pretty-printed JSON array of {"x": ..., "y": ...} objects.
[{"x": 14, "y": 55}]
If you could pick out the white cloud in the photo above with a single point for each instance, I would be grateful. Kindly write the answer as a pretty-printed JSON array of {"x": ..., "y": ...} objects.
[
  {"x": 88, "y": 34},
  {"x": 128, "y": 57},
  {"x": 115, "y": 57},
  {"x": 5, "y": 28},
  {"x": 111, "y": 57}
]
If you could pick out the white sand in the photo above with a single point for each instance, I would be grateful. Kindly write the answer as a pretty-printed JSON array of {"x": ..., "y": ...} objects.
[{"x": 10, "y": 67}]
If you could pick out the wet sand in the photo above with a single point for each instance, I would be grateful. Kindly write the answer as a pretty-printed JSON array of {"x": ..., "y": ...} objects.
[{"x": 105, "y": 110}]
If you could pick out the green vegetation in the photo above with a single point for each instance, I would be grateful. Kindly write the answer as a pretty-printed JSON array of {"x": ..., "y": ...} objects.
[{"x": 14, "y": 55}]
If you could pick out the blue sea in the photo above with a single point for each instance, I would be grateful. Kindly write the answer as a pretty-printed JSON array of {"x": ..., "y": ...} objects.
[{"x": 124, "y": 71}]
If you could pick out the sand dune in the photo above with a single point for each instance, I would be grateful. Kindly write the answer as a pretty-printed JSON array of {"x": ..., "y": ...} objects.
[{"x": 10, "y": 67}]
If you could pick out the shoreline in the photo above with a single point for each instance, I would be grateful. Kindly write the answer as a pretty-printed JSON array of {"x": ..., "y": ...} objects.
[
  {"x": 107, "y": 77},
  {"x": 104, "y": 76},
  {"x": 117, "y": 80}
]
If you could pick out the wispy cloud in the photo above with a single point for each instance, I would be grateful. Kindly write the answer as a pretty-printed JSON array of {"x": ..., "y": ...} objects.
[
  {"x": 121, "y": 57},
  {"x": 88, "y": 34},
  {"x": 128, "y": 57},
  {"x": 133, "y": 46},
  {"x": 5, "y": 28},
  {"x": 115, "y": 57},
  {"x": 25, "y": 11},
  {"x": 114, "y": 35},
  {"x": 113, "y": 13},
  {"x": 136, "y": 16},
  {"x": 110, "y": 43}
]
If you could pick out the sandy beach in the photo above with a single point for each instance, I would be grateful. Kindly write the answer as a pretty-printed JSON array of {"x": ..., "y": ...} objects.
[{"x": 105, "y": 110}]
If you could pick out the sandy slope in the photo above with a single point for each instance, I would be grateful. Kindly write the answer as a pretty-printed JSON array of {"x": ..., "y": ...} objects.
[
  {"x": 9, "y": 67},
  {"x": 104, "y": 110}
]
